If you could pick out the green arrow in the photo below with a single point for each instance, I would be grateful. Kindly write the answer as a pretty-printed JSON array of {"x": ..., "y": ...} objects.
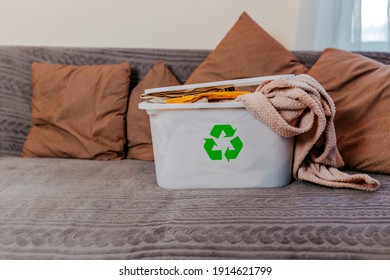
[
  {"x": 237, "y": 145},
  {"x": 213, "y": 154},
  {"x": 218, "y": 128}
]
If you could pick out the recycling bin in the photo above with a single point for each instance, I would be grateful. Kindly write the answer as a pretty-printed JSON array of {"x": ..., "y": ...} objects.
[{"x": 216, "y": 145}]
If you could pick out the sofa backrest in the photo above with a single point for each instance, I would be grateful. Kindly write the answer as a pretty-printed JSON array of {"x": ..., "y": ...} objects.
[{"x": 15, "y": 77}]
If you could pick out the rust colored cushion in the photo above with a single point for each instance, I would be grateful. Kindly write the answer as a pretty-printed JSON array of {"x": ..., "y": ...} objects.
[
  {"x": 78, "y": 111},
  {"x": 246, "y": 51},
  {"x": 139, "y": 140},
  {"x": 360, "y": 88}
]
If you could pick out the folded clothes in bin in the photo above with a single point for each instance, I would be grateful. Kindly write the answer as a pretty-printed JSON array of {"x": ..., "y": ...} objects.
[
  {"x": 203, "y": 92},
  {"x": 207, "y": 97},
  {"x": 192, "y": 95}
]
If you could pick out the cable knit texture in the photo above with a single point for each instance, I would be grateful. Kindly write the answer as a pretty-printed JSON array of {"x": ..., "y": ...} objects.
[{"x": 300, "y": 107}]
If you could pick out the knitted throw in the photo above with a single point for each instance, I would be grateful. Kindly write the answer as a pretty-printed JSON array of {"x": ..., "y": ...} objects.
[{"x": 300, "y": 107}]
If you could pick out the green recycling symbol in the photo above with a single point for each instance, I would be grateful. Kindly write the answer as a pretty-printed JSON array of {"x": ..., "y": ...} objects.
[{"x": 216, "y": 132}]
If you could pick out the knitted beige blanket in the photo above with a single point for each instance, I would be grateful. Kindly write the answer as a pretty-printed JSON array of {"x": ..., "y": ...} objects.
[{"x": 301, "y": 107}]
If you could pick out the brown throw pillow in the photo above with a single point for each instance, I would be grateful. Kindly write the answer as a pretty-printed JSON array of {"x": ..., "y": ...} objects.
[
  {"x": 139, "y": 140},
  {"x": 78, "y": 111},
  {"x": 360, "y": 88},
  {"x": 246, "y": 51}
]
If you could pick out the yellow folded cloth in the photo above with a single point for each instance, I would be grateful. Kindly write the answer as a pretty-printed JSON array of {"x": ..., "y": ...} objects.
[
  {"x": 163, "y": 96},
  {"x": 211, "y": 96}
]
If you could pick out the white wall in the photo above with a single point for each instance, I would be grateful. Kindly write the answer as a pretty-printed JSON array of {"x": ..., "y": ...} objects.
[{"x": 197, "y": 24}]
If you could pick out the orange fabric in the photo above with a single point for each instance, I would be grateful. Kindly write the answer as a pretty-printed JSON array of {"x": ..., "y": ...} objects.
[
  {"x": 78, "y": 111},
  {"x": 139, "y": 139},
  {"x": 246, "y": 51},
  {"x": 209, "y": 95},
  {"x": 360, "y": 88}
]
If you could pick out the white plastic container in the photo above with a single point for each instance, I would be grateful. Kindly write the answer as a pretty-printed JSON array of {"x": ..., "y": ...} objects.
[{"x": 216, "y": 145}]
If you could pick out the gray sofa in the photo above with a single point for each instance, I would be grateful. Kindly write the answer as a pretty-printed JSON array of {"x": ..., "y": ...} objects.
[{"x": 80, "y": 209}]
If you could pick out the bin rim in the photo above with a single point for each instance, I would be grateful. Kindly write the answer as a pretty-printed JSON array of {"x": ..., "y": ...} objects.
[{"x": 212, "y": 105}]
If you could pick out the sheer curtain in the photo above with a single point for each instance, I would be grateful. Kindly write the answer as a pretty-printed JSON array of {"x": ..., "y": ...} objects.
[{"x": 361, "y": 25}]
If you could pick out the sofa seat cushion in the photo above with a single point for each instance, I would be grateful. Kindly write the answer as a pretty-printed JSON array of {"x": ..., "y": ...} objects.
[{"x": 80, "y": 209}]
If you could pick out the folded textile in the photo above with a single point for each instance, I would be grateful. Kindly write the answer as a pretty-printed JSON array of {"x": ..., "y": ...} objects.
[
  {"x": 301, "y": 107},
  {"x": 164, "y": 96},
  {"x": 210, "y": 96}
]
